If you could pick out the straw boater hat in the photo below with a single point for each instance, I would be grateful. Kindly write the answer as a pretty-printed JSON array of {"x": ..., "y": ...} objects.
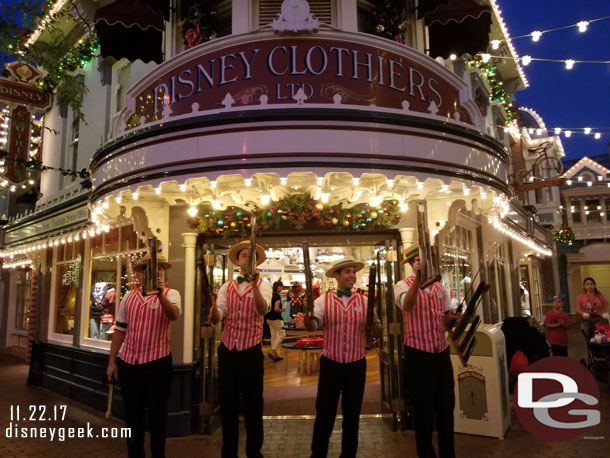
[
  {"x": 410, "y": 253},
  {"x": 161, "y": 261},
  {"x": 244, "y": 245},
  {"x": 345, "y": 262}
]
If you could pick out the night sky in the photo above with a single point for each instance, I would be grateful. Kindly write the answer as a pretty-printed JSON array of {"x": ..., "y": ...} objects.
[{"x": 565, "y": 98}]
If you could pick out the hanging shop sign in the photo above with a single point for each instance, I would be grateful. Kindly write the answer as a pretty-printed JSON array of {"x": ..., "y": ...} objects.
[
  {"x": 12, "y": 91},
  {"x": 301, "y": 70}
]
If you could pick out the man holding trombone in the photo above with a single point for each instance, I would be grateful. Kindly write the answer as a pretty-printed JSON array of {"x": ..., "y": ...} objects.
[
  {"x": 145, "y": 366},
  {"x": 343, "y": 315},
  {"x": 241, "y": 305}
]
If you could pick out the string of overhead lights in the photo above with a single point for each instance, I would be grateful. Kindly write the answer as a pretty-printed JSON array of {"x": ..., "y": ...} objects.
[
  {"x": 526, "y": 60},
  {"x": 582, "y": 26},
  {"x": 595, "y": 132}
]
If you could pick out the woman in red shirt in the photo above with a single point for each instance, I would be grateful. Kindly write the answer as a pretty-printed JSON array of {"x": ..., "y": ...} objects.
[{"x": 592, "y": 306}]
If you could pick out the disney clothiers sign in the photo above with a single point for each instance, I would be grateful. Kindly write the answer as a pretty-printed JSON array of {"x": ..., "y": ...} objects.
[{"x": 273, "y": 71}]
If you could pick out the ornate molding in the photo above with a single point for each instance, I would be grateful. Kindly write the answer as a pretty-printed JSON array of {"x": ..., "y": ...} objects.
[{"x": 295, "y": 16}]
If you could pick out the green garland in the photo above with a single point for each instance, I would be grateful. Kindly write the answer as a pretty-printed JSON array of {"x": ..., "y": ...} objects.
[
  {"x": 199, "y": 24},
  {"x": 299, "y": 211},
  {"x": 76, "y": 58},
  {"x": 498, "y": 93},
  {"x": 564, "y": 235},
  {"x": 391, "y": 20}
]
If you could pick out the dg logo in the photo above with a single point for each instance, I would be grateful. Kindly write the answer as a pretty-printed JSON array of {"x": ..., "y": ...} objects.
[{"x": 557, "y": 399}]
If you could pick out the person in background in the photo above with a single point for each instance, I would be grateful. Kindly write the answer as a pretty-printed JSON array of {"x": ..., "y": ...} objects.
[
  {"x": 557, "y": 321},
  {"x": 276, "y": 322},
  {"x": 296, "y": 296},
  {"x": 592, "y": 306},
  {"x": 145, "y": 366},
  {"x": 241, "y": 305}
]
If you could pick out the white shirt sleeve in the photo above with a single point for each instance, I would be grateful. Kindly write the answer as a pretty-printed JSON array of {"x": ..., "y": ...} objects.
[
  {"x": 121, "y": 319},
  {"x": 318, "y": 309},
  {"x": 400, "y": 289},
  {"x": 446, "y": 298},
  {"x": 174, "y": 297},
  {"x": 267, "y": 292},
  {"x": 222, "y": 300}
]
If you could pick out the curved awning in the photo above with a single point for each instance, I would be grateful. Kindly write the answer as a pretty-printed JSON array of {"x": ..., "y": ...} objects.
[
  {"x": 457, "y": 27},
  {"x": 131, "y": 29}
]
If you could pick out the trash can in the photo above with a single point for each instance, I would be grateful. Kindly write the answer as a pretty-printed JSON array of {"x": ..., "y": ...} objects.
[{"x": 481, "y": 387}]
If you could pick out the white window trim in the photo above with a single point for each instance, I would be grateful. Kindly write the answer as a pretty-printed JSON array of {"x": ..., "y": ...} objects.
[{"x": 53, "y": 336}]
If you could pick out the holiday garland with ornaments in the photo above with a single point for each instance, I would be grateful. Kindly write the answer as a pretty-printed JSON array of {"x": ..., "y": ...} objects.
[
  {"x": 498, "y": 93},
  {"x": 199, "y": 24},
  {"x": 390, "y": 20},
  {"x": 299, "y": 211},
  {"x": 564, "y": 235}
]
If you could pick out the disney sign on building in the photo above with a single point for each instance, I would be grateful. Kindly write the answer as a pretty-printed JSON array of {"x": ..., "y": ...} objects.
[{"x": 277, "y": 70}]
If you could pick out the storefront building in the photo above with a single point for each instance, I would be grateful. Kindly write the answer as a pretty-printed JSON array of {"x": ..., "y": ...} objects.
[
  {"x": 324, "y": 131},
  {"x": 582, "y": 245}
]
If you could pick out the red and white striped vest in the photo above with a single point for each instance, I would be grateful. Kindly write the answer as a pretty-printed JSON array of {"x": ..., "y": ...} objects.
[
  {"x": 425, "y": 324},
  {"x": 148, "y": 334},
  {"x": 344, "y": 328},
  {"x": 242, "y": 327}
]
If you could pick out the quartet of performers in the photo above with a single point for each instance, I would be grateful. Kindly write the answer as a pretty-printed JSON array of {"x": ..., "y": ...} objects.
[{"x": 144, "y": 367}]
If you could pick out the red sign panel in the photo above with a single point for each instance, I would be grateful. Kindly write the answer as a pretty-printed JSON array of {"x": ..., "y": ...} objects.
[
  {"x": 18, "y": 144},
  {"x": 278, "y": 70},
  {"x": 11, "y": 91}
]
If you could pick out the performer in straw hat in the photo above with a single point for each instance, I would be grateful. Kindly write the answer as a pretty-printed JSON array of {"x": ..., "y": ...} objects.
[
  {"x": 145, "y": 365},
  {"x": 342, "y": 315},
  {"x": 241, "y": 305},
  {"x": 428, "y": 371}
]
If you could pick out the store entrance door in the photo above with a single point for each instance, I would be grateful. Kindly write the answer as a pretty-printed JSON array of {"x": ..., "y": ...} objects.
[
  {"x": 393, "y": 405},
  {"x": 213, "y": 269}
]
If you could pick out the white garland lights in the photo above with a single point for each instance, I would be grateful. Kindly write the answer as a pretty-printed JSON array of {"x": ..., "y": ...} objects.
[{"x": 504, "y": 229}]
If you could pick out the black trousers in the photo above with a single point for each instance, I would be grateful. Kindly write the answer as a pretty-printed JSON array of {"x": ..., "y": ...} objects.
[
  {"x": 429, "y": 386},
  {"x": 348, "y": 380},
  {"x": 559, "y": 350},
  {"x": 145, "y": 388},
  {"x": 240, "y": 373}
]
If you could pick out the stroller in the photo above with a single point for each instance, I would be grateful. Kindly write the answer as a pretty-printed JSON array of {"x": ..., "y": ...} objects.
[{"x": 598, "y": 353}]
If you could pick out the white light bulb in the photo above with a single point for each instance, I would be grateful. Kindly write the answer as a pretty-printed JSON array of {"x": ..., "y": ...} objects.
[
  {"x": 452, "y": 57},
  {"x": 557, "y": 130},
  {"x": 248, "y": 182},
  {"x": 568, "y": 133},
  {"x": 485, "y": 57},
  {"x": 538, "y": 131},
  {"x": 587, "y": 130},
  {"x": 582, "y": 26},
  {"x": 265, "y": 198},
  {"x": 403, "y": 207},
  {"x": 570, "y": 64},
  {"x": 525, "y": 60},
  {"x": 192, "y": 211},
  {"x": 598, "y": 136},
  {"x": 536, "y": 34},
  {"x": 495, "y": 44},
  {"x": 182, "y": 188}
]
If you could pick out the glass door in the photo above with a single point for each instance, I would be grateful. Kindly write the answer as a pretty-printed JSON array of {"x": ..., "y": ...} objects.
[
  {"x": 393, "y": 406},
  {"x": 212, "y": 272}
]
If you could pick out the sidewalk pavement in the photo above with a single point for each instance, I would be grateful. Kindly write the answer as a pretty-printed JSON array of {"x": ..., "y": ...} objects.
[{"x": 284, "y": 438}]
